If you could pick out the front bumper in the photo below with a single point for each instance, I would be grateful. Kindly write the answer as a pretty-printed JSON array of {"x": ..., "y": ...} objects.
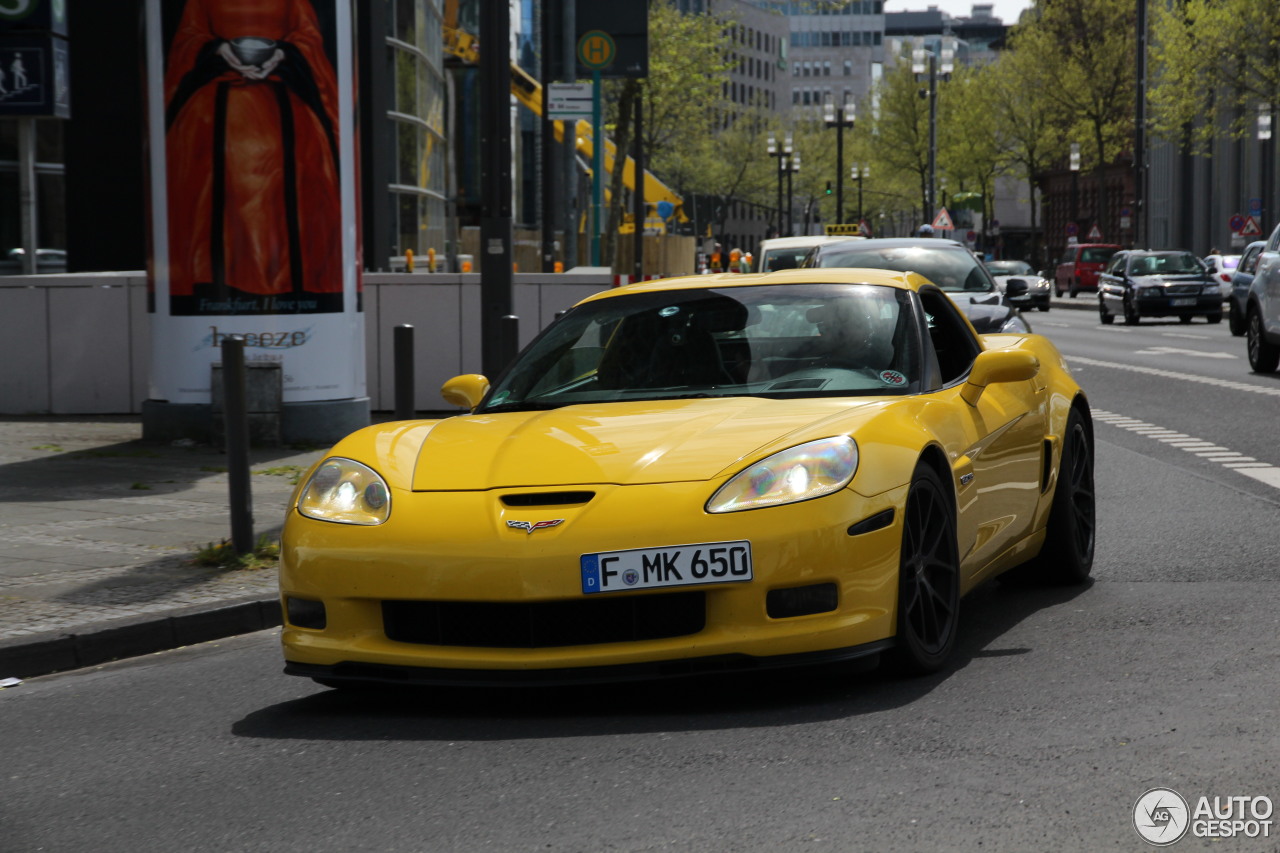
[
  {"x": 1167, "y": 306},
  {"x": 455, "y": 550}
]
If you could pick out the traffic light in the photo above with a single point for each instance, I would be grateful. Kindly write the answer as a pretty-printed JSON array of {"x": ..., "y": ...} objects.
[{"x": 828, "y": 188}]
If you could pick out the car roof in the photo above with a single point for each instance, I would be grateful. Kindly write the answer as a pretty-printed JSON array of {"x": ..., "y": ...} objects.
[
  {"x": 902, "y": 243},
  {"x": 841, "y": 275},
  {"x": 804, "y": 241}
]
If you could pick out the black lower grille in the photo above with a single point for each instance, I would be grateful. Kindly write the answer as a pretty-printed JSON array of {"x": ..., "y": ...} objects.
[{"x": 578, "y": 622}]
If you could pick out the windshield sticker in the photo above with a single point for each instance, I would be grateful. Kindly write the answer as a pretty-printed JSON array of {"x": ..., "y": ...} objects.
[
  {"x": 669, "y": 311},
  {"x": 893, "y": 377},
  {"x": 499, "y": 398}
]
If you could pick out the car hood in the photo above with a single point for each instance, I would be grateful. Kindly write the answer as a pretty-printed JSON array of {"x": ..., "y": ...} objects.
[
  {"x": 1176, "y": 278},
  {"x": 623, "y": 443}
]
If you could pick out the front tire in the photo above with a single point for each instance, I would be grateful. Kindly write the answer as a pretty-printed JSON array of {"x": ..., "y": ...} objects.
[
  {"x": 1131, "y": 315},
  {"x": 1213, "y": 318},
  {"x": 1104, "y": 315},
  {"x": 1263, "y": 357},
  {"x": 1234, "y": 321},
  {"x": 928, "y": 578}
]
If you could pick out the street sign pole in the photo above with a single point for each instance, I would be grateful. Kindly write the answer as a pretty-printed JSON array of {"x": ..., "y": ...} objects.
[
  {"x": 596, "y": 51},
  {"x": 597, "y": 165}
]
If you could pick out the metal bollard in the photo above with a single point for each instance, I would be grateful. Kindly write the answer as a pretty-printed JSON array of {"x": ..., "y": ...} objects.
[
  {"x": 235, "y": 411},
  {"x": 403, "y": 358},
  {"x": 510, "y": 339}
]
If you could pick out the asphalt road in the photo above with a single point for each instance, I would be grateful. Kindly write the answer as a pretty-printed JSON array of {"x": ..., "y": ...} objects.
[{"x": 1060, "y": 709}]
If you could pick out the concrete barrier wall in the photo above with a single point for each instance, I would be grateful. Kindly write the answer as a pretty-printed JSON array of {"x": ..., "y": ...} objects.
[{"x": 80, "y": 343}]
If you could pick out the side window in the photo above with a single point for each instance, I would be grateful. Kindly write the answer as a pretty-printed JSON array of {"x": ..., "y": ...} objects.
[
  {"x": 952, "y": 339},
  {"x": 1249, "y": 263},
  {"x": 1117, "y": 264},
  {"x": 1273, "y": 244}
]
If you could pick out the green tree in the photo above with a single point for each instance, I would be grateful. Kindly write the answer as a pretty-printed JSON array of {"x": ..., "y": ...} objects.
[
  {"x": 1191, "y": 81},
  {"x": 1028, "y": 126},
  {"x": 901, "y": 129},
  {"x": 1085, "y": 51}
]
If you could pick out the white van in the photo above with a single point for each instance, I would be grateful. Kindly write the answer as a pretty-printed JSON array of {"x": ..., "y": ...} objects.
[{"x": 786, "y": 253}]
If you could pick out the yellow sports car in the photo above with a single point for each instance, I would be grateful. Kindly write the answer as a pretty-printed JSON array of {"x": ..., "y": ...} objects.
[{"x": 692, "y": 475}]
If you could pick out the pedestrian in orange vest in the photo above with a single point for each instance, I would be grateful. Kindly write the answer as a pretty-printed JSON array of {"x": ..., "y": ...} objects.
[{"x": 717, "y": 260}]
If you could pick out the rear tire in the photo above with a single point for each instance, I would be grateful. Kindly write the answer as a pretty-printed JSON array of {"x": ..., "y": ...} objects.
[
  {"x": 1263, "y": 357},
  {"x": 928, "y": 578}
]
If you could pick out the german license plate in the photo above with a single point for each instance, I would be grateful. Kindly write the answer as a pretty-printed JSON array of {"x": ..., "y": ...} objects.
[
  {"x": 678, "y": 565},
  {"x": 1182, "y": 303}
]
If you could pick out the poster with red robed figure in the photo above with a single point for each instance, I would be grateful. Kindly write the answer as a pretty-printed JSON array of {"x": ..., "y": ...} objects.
[
  {"x": 251, "y": 145},
  {"x": 254, "y": 214}
]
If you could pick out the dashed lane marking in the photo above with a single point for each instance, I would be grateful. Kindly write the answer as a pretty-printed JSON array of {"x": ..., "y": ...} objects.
[
  {"x": 1270, "y": 391},
  {"x": 1263, "y": 472}
]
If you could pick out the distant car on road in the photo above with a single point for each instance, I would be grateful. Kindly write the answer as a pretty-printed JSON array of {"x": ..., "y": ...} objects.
[
  {"x": 947, "y": 263},
  {"x": 1078, "y": 270},
  {"x": 786, "y": 253},
  {"x": 1241, "y": 280},
  {"x": 1037, "y": 295},
  {"x": 1168, "y": 283},
  {"x": 1223, "y": 266}
]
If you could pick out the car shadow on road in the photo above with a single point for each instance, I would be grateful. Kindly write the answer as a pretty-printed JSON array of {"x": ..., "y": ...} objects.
[{"x": 747, "y": 700}]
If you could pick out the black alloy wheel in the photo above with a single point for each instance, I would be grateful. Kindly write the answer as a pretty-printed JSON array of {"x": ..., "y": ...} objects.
[
  {"x": 928, "y": 578},
  {"x": 1263, "y": 357}
]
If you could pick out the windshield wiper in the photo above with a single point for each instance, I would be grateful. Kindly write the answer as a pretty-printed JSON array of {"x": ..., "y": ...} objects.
[{"x": 522, "y": 406}]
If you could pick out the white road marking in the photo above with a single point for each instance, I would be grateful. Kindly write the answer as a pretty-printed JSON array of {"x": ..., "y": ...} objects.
[
  {"x": 1189, "y": 337},
  {"x": 1180, "y": 351},
  {"x": 1271, "y": 391},
  {"x": 1263, "y": 472}
]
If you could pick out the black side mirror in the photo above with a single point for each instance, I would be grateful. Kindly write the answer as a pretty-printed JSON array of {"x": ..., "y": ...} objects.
[{"x": 1015, "y": 287}]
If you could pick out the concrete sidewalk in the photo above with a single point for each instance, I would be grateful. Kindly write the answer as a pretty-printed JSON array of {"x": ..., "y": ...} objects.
[{"x": 98, "y": 530}]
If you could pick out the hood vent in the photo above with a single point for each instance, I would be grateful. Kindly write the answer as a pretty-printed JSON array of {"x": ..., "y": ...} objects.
[{"x": 548, "y": 499}]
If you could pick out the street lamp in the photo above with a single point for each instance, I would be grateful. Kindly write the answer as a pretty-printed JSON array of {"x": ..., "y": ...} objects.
[
  {"x": 1268, "y": 156},
  {"x": 783, "y": 153},
  {"x": 840, "y": 119},
  {"x": 859, "y": 175},
  {"x": 927, "y": 64},
  {"x": 793, "y": 169},
  {"x": 1075, "y": 183}
]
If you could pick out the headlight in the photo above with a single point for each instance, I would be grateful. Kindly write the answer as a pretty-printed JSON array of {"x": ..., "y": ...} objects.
[
  {"x": 1148, "y": 292},
  {"x": 347, "y": 492},
  {"x": 1015, "y": 324},
  {"x": 1210, "y": 289},
  {"x": 800, "y": 473}
]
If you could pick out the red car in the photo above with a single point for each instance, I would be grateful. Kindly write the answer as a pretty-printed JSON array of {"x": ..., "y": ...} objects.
[{"x": 1078, "y": 270}]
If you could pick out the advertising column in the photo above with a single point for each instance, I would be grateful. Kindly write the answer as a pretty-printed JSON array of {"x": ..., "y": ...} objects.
[{"x": 252, "y": 159}]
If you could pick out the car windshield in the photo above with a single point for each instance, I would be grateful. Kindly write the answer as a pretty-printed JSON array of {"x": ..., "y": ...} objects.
[
  {"x": 1009, "y": 268},
  {"x": 954, "y": 269},
  {"x": 1165, "y": 263},
  {"x": 777, "y": 341},
  {"x": 1096, "y": 255}
]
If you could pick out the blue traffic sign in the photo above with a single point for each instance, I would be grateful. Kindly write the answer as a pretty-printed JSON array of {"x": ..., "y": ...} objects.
[{"x": 1236, "y": 222}]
